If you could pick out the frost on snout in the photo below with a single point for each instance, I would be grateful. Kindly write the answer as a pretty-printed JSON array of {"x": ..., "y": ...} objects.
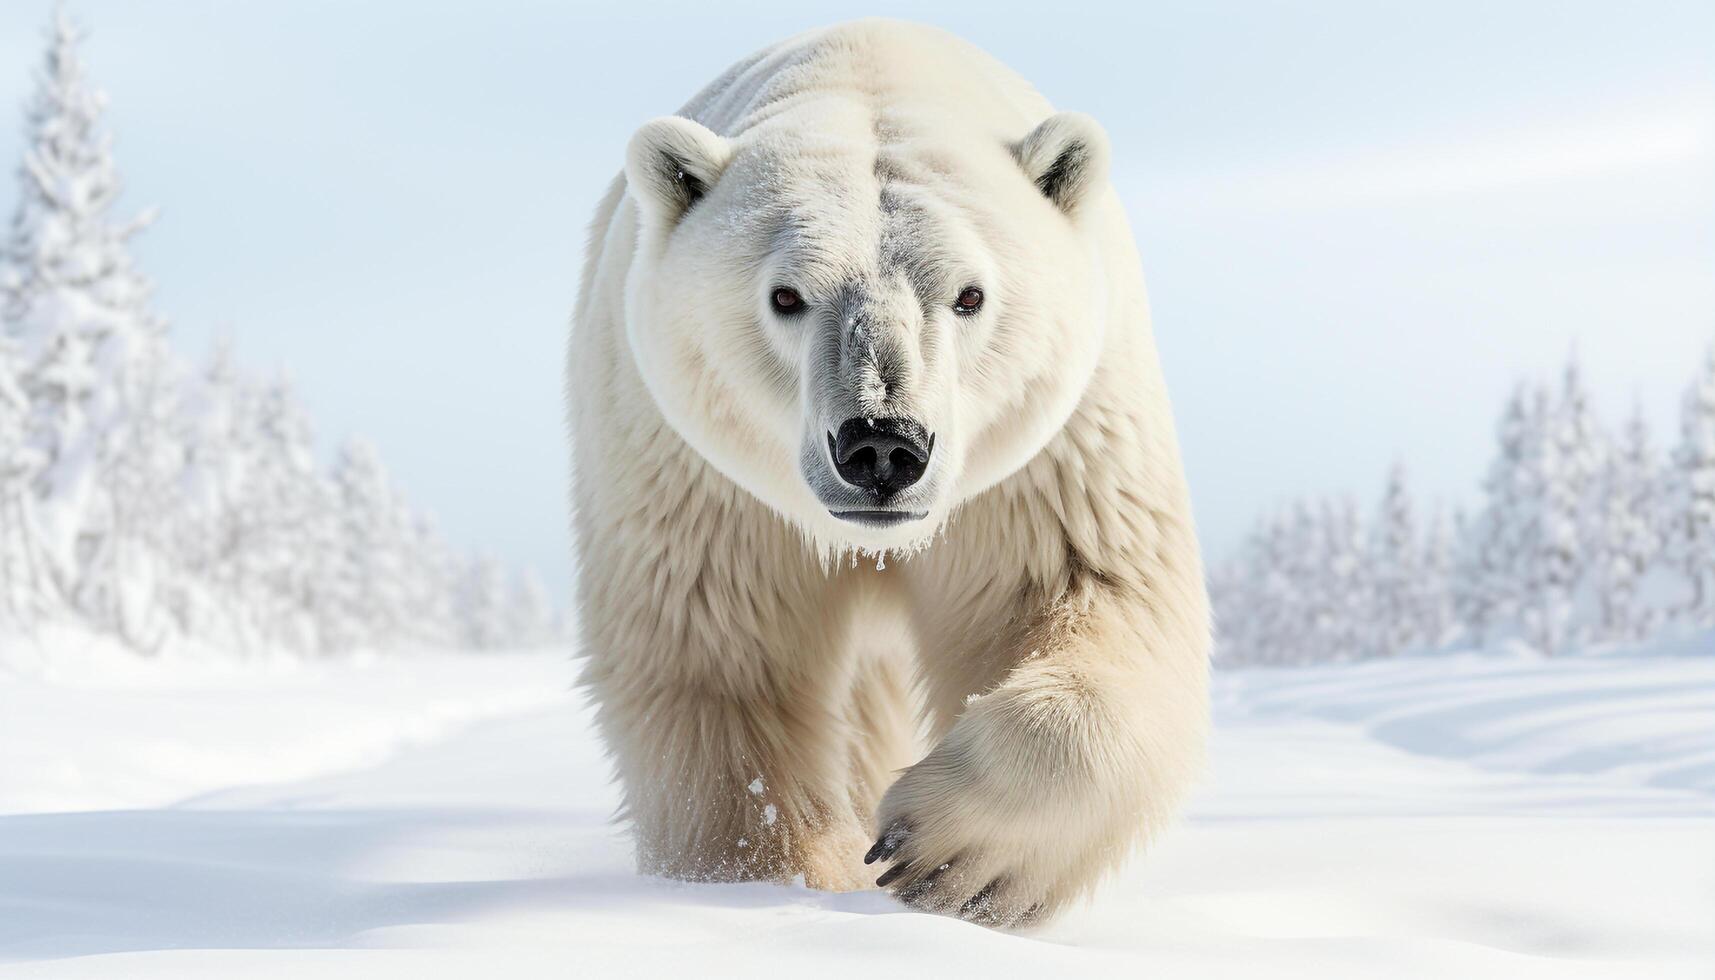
[
  {"x": 864, "y": 365},
  {"x": 878, "y": 446}
]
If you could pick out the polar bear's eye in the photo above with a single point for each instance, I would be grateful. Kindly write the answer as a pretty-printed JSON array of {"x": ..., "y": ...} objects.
[
  {"x": 970, "y": 301},
  {"x": 786, "y": 302}
]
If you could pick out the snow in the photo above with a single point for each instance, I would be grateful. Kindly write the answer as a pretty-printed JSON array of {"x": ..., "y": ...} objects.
[
  {"x": 164, "y": 736},
  {"x": 446, "y": 815}
]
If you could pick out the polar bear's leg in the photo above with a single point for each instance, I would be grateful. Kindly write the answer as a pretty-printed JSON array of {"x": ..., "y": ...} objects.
[
  {"x": 1087, "y": 740},
  {"x": 883, "y": 726},
  {"x": 722, "y": 788},
  {"x": 722, "y": 683}
]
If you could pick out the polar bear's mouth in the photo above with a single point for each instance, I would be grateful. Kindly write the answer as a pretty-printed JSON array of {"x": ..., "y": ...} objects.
[{"x": 880, "y": 518}]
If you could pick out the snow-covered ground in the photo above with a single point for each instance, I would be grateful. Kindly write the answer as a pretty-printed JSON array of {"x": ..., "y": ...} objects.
[{"x": 448, "y": 816}]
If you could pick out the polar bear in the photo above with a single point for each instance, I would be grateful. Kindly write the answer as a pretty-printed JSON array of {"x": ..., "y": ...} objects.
[{"x": 872, "y": 454}]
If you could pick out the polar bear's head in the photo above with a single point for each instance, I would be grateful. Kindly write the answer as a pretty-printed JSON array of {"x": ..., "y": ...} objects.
[{"x": 866, "y": 322}]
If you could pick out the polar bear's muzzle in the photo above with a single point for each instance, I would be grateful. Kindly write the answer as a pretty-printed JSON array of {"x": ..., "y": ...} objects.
[{"x": 876, "y": 460}]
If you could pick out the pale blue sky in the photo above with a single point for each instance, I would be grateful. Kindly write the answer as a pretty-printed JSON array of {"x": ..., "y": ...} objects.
[{"x": 1361, "y": 222}]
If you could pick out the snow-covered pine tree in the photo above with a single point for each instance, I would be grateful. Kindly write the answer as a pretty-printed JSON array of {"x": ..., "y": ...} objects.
[
  {"x": 1240, "y": 627},
  {"x": 1285, "y": 593},
  {"x": 1691, "y": 533},
  {"x": 1544, "y": 535},
  {"x": 1572, "y": 509},
  {"x": 294, "y": 551},
  {"x": 431, "y": 588},
  {"x": 1476, "y": 607},
  {"x": 1547, "y": 534},
  {"x": 1299, "y": 586},
  {"x": 21, "y": 596},
  {"x": 1435, "y": 618},
  {"x": 484, "y": 604},
  {"x": 1489, "y": 579},
  {"x": 1341, "y": 582},
  {"x": 1280, "y": 599},
  {"x": 128, "y": 577},
  {"x": 1631, "y": 536},
  {"x": 1258, "y": 608},
  {"x": 215, "y": 545},
  {"x": 370, "y": 604},
  {"x": 1393, "y": 574},
  {"x": 530, "y": 619},
  {"x": 78, "y": 309}
]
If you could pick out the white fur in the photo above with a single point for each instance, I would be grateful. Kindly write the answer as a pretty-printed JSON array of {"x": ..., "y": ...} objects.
[{"x": 1047, "y": 615}]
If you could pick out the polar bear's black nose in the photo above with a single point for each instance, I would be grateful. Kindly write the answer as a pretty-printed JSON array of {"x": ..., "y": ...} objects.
[{"x": 881, "y": 455}]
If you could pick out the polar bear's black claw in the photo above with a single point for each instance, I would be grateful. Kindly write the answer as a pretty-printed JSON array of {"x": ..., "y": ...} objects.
[
  {"x": 892, "y": 874},
  {"x": 919, "y": 890},
  {"x": 980, "y": 906},
  {"x": 888, "y": 843},
  {"x": 914, "y": 893}
]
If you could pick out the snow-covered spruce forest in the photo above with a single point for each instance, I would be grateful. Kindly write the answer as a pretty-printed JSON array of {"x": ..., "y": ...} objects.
[
  {"x": 164, "y": 503},
  {"x": 1584, "y": 535}
]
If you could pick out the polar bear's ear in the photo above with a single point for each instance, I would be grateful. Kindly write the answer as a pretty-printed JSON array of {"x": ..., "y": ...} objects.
[
  {"x": 1066, "y": 157},
  {"x": 671, "y": 163}
]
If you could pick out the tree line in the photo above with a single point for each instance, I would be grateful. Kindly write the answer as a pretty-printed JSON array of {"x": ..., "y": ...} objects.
[
  {"x": 158, "y": 503},
  {"x": 1582, "y": 536}
]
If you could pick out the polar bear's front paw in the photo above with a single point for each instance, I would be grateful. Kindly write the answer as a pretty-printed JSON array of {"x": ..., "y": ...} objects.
[
  {"x": 986, "y": 846},
  {"x": 967, "y": 885}
]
